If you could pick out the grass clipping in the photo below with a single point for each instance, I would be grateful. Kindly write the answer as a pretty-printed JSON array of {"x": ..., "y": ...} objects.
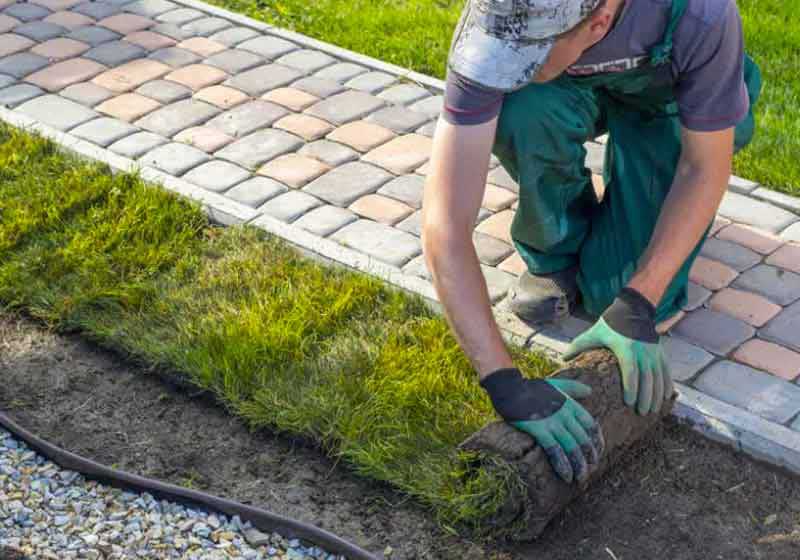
[{"x": 364, "y": 371}]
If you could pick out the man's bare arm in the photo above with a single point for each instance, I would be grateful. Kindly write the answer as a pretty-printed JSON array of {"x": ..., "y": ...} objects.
[{"x": 454, "y": 190}]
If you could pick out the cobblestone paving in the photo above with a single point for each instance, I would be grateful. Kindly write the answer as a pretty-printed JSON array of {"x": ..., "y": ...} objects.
[{"x": 340, "y": 149}]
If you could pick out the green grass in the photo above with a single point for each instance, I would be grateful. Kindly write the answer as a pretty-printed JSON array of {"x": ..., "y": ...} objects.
[
  {"x": 416, "y": 34},
  {"x": 366, "y": 372}
]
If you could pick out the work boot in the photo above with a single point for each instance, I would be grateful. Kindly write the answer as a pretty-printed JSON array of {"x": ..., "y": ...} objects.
[{"x": 544, "y": 298}]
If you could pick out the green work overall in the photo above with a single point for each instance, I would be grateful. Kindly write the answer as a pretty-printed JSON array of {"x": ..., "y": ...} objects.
[{"x": 559, "y": 222}]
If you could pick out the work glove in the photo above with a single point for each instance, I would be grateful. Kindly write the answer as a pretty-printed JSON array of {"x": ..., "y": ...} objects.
[
  {"x": 545, "y": 409},
  {"x": 628, "y": 329}
]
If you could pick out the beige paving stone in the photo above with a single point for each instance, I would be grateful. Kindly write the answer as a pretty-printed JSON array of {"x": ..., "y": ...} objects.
[
  {"x": 718, "y": 224},
  {"x": 381, "y": 209},
  {"x": 401, "y": 155},
  {"x": 361, "y": 135},
  {"x": 11, "y": 43},
  {"x": 498, "y": 225},
  {"x": 513, "y": 264},
  {"x": 70, "y": 20},
  {"x": 128, "y": 106},
  {"x": 497, "y": 198},
  {"x": 126, "y": 23},
  {"x": 664, "y": 326},
  {"x": 150, "y": 40},
  {"x": 202, "y": 46},
  {"x": 305, "y": 126},
  {"x": 787, "y": 257},
  {"x": 61, "y": 48},
  {"x": 777, "y": 360},
  {"x": 131, "y": 75},
  {"x": 424, "y": 169},
  {"x": 757, "y": 240},
  {"x": 294, "y": 170},
  {"x": 7, "y": 23},
  {"x": 291, "y": 98},
  {"x": 57, "y": 5},
  {"x": 61, "y": 74},
  {"x": 711, "y": 274},
  {"x": 222, "y": 96},
  {"x": 197, "y": 76},
  {"x": 747, "y": 306},
  {"x": 204, "y": 138}
]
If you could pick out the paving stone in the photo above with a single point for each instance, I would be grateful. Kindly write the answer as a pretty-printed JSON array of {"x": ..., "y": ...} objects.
[
  {"x": 397, "y": 118},
  {"x": 497, "y": 282},
  {"x": 734, "y": 255},
  {"x": 749, "y": 307},
  {"x": 263, "y": 78},
  {"x": 174, "y": 158},
  {"x": 207, "y": 26},
  {"x": 412, "y": 224},
  {"x": 711, "y": 274},
  {"x": 776, "y": 284},
  {"x": 268, "y": 46},
  {"x": 10, "y": 44},
  {"x": 752, "y": 390},
  {"x": 787, "y": 257},
  {"x": 403, "y": 94},
  {"x": 175, "y": 57},
  {"x": 16, "y": 95},
  {"x": 69, "y": 20},
  {"x": 341, "y": 72},
  {"x": 289, "y": 206},
  {"x": 418, "y": 267},
  {"x": 97, "y": 10},
  {"x": 740, "y": 185},
  {"x": 406, "y": 188},
  {"x": 379, "y": 241},
  {"x": 343, "y": 185},
  {"x": 59, "y": 49},
  {"x": 792, "y": 233},
  {"x": 7, "y": 23},
  {"x": 381, "y": 209},
  {"x": 430, "y": 106},
  {"x": 558, "y": 336},
  {"x": 759, "y": 241},
  {"x": 26, "y": 11},
  {"x": 57, "y": 5},
  {"x": 93, "y": 35},
  {"x": 104, "y": 131},
  {"x": 171, "y": 30},
  {"x": 791, "y": 203},
  {"x": 150, "y": 8},
  {"x": 126, "y": 23},
  {"x": 718, "y": 224},
  {"x": 294, "y": 170},
  {"x": 402, "y": 154},
  {"x": 21, "y": 64},
  {"x": 595, "y": 157},
  {"x": 171, "y": 119},
  {"x": 490, "y": 250},
  {"x": 428, "y": 129},
  {"x": 137, "y": 144},
  {"x": 684, "y": 359},
  {"x": 294, "y": 99},
  {"x": 497, "y": 198},
  {"x": 746, "y": 210},
  {"x": 6, "y": 81},
  {"x": 498, "y": 226},
  {"x": 361, "y": 135},
  {"x": 197, "y": 76},
  {"x": 131, "y": 75},
  {"x": 306, "y": 127},
  {"x": 217, "y": 176},
  {"x": 371, "y": 82},
  {"x": 204, "y": 138},
  {"x": 713, "y": 331},
  {"x": 513, "y": 264},
  {"x": 234, "y": 35},
  {"x": 65, "y": 73},
  {"x": 248, "y": 117},
  {"x": 696, "y": 295},
  {"x": 784, "y": 329},
  {"x": 325, "y": 220},
  {"x": 666, "y": 325},
  {"x": 500, "y": 177},
  {"x": 318, "y": 87},
  {"x": 149, "y": 40},
  {"x": 234, "y": 61},
  {"x": 332, "y": 153},
  {"x": 256, "y": 191},
  {"x": 115, "y": 53},
  {"x": 306, "y": 60},
  {"x": 345, "y": 107},
  {"x": 223, "y": 97},
  {"x": 769, "y": 357},
  {"x": 57, "y": 112},
  {"x": 259, "y": 147},
  {"x": 180, "y": 16}
]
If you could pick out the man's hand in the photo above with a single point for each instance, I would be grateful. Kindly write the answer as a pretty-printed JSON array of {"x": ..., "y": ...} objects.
[
  {"x": 570, "y": 437},
  {"x": 628, "y": 329}
]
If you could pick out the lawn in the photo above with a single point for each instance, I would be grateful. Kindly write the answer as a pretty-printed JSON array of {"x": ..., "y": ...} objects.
[{"x": 416, "y": 34}]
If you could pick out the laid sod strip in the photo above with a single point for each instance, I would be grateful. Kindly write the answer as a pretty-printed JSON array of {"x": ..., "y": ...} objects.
[
  {"x": 416, "y": 34},
  {"x": 365, "y": 371}
]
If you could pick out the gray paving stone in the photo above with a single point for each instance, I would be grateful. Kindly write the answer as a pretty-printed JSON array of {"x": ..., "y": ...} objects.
[
  {"x": 256, "y": 191},
  {"x": 306, "y": 60},
  {"x": 412, "y": 224},
  {"x": 180, "y": 16},
  {"x": 406, "y": 188},
  {"x": 792, "y": 233},
  {"x": 595, "y": 156},
  {"x": 150, "y": 8},
  {"x": 15, "y": 95},
  {"x": 234, "y": 35},
  {"x": 175, "y": 158},
  {"x": 289, "y": 206},
  {"x": 371, "y": 82},
  {"x": 57, "y": 112},
  {"x": 345, "y": 107},
  {"x": 427, "y": 129},
  {"x": 40, "y": 30},
  {"x": 114, "y": 53},
  {"x": 234, "y": 61},
  {"x": 397, "y": 118},
  {"x": 175, "y": 56},
  {"x": 418, "y": 267},
  {"x": 684, "y": 359},
  {"x": 341, "y": 72},
  {"x": 326, "y": 219},
  {"x": 22, "y": 64},
  {"x": 747, "y": 210},
  {"x": 791, "y": 203},
  {"x": 217, "y": 176},
  {"x": 97, "y": 10},
  {"x": 248, "y": 117},
  {"x": 558, "y": 336},
  {"x": 734, "y": 255},
  {"x": 93, "y": 35},
  {"x": 86, "y": 93},
  {"x": 497, "y": 282},
  {"x": 784, "y": 328},
  {"x": 170, "y": 30},
  {"x": 207, "y": 26},
  {"x": 267, "y": 46},
  {"x": 753, "y": 390},
  {"x": 500, "y": 177},
  {"x": 317, "y": 86},
  {"x": 6, "y": 81},
  {"x": 332, "y": 153},
  {"x": 261, "y": 79},
  {"x": 776, "y": 284},
  {"x": 741, "y": 185},
  {"x": 490, "y": 250},
  {"x": 104, "y": 131},
  {"x": 713, "y": 331},
  {"x": 25, "y": 11},
  {"x": 430, "y": 106},
  {"x": 171, "y": 119},
  {"x": 403, "y": 94},
  {"x": 138, "y": 144},
  {"x": 345, "y": 184},
  {"x": 379, "y": 241},
  {"x": 696, "y": 295},
  {"x": 164, "y": 91},
  {"x": 259, "y": 147}
]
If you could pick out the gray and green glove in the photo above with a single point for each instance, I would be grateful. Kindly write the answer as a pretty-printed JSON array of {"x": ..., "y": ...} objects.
[
  {"x": 570, "y": 437},
  {"x": 628, "y": 329}
]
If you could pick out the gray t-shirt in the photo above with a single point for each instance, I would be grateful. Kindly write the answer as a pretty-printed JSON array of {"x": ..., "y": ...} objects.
[{"x": 706, "y": 69}]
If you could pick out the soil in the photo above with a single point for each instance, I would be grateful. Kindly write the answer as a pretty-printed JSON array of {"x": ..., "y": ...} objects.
[{"x": 676, "y": 496}]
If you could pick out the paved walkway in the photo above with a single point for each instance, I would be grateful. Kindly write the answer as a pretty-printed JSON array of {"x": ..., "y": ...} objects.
[{"x": 335, "y": 144}]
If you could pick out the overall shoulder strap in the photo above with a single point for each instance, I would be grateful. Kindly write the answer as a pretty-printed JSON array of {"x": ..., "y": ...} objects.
[{"x": 662, "y": 53}]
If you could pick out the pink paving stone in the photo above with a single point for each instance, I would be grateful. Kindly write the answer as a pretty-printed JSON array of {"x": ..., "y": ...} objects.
[
  {"x": 62, "y": 74},
  {"x": 11, "y": 43},
  {"x": 128, "y": 107},
  {"x": 711, "y": 274},
  {"x": 149, "y": 40},
  {"x": 7, "y": 23},
  {"x": 770, "y": 357},
  {"x": 202, "y": 46},
  {"x": 131, "y": 75},
  {"x": 294, "y": 170},
  {"x": 70, "y": 20},
  {"x": 6, "y": 3},
  {"x": 498, "y": 225},
  {"x": 718, "y": 224},
  {"x": 57, "y": 5},
  {"x": 787, "y": 257},
  {"x": 664, "y": 326},
  {"x": 361, "y": 135},
  {"x": 126, "y": 23},
  {"x": 381, "y": 209},
  {"x": 513, "y": 264},
  {"x": 221, "y": 96},
  {"x": 305, "y": 126},
  {"x": 401, "y": 155},
  {"x": 197, "y": 76},
  {"x": 292, "y": 98},
  {"x": 497, "y": 198},
  {"x": 204, "y": 138},
  {"x": 61, "y": 48},
  {"x": 757, "y": 240},
  {"x": 747, "y": 306}
]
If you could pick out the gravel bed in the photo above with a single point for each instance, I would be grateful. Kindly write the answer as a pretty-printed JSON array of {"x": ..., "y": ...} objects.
[{"x": 50, "y": 513}]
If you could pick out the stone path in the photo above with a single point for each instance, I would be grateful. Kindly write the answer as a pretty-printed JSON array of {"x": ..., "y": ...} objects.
[{"x": 276, "y": 128}]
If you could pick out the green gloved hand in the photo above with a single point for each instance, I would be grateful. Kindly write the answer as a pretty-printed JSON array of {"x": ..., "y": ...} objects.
[
  {"x": 570, "y": 437},
  {"x": 628, "y": 329}
]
